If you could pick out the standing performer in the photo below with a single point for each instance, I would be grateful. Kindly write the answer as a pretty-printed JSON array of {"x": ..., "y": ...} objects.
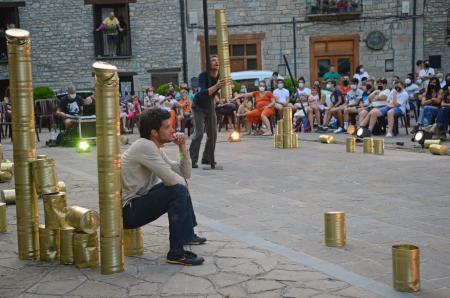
[{"x": 201, "y": 109}]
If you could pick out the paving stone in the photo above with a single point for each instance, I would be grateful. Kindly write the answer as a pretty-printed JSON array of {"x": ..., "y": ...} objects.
[
  {"x": 354, "y": 292},
  {"x": 239, "y": 253},
  {"x": 98, "y": 289},
  {"x": 247, "y": 268},
  {"x": 299, "y": 293},
  {"x": 235, "y": 291},
  {"x": 256, "y": 286},
  {"x": 224, "y": 279},
  {"x": 182, "y": 284},
  {"x": 208, "y": 268},
  {"x": 223, "y": 263},
  {"x": 284, "y": 275},
  {"x": 327, "y": 284},
  {"x": 145, "y": 289},
  {"x": 56, "y": 287}
]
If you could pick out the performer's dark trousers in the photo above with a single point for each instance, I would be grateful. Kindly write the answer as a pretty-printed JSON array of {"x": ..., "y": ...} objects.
[
  {"x": 203, "y": 121},
  {"x": 175, "y": 200}
]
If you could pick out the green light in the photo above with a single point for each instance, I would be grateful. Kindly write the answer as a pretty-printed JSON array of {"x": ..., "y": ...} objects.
[{"x": 84, "y": 146}]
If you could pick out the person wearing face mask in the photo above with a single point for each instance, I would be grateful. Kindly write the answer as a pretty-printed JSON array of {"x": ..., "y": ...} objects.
[
  {"x": 334, "y": 107},
  {"x": 440, "y": 76},
  {"x": 426, "y": 73},
  {"x": 70, "y": 105},
  {"x": 281, "y": 97},
  {"x": 377, "y": 98},
  {"x": 413, "y": 91},
  {"x": 345, "y": 87},
  {"x": 360, "y": 73},
  {"x": 302, "y": 90},
  {"x": 264, "y": 108},
  {"x": 395, "y": 106},
  {"x": 439, "y": 129},
  {"x": 430, "y": 104},
  {"x": 151, "y": 99},
  {"x": 353, "y": 100}
]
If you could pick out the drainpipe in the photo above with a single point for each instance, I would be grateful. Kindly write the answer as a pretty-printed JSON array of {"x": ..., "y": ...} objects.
[
  {"x": 413, "y": 55},
  {"x": 183, "y": 40},
  {"x": 294, "y": 25}
]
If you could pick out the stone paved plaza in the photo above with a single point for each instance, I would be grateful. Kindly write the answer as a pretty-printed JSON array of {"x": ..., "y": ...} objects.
[{"x": 263, "y": 217}]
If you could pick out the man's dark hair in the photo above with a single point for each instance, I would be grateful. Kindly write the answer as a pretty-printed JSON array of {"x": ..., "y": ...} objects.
[
  {"x": 151, "y": 119},
  {"x": 355, "y": 80},
  {"x": 275, "y": 73},
  {"x": 301, "y": 79},
  {"x": 333, "y": 82}
]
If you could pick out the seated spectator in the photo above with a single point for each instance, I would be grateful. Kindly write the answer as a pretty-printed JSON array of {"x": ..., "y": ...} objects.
[
  {"x": 378, "y": 98},
  {"x": 153, "y": 185},
  {"x": 183, "y": 86},
  {"x": 281, "y": 97},
  {"x": 360, "y": 74},
  {"x": 440, "y": 77},
  {"x": 245, "y": 107},
  {"x": 70, "y": 105},
  {"x": 7, "y": 102},
  {"x": 352, "y": 102},
  {"x": 191, "y": 94},
  {"x": 430, "y": 104},
  {"x": 169, "y": 103},
  {"x": 134, "y": 111},
  {"x": 413, "y": 91},
  {"x": 443, "y": 117},
  {"x": 313, "y": 106},
  {"x": 265, "y": 102},
  {"x": 395, "y": 106},
  {"x": 345, "y": 87},
  {"x": 302, "y": 93},
  {"x": 184, "y": 111},
  {"x": 123, "y": 116},
  {"x": 337, "y": 101},
  {"x": 331, "y": 74},
  {"x": 151, "y": 99},
  {"x": 89, "y": 105}
]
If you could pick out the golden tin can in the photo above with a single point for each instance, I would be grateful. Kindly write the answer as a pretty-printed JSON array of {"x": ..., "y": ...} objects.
[
  {"x": 427, "y": 143},
  {"x": 326, "y": 139},
  {"x": 368, "y": 145},
  {"x": 66, "y": 245},
  {"x": 41, "y": 156},
  {"x": 3, "y": 218},
  {"x": 44, "y": 175},
  {"x": 406, "y": 268},
  {"x": 82, "y": 219},
  {"x": 111, "y": 253},
  {"x": 48, "y": 244},
  {"x": 54, "y": 210},
  {"x": 350, "y": 145},
  {"x": 335, "y": 229},
  {"x": 7, "y": 166},
  {"x": 223, "y": 52},
  {"x": 378, "y": 146},
  {"x": 133, "y": 242},
  {"x": 438, "y": 149},
  {"x": 280, "y": 127},
  {"x": 62, "y": 186},
  {"x": 8, "y": 196},
  {"x": 80, "y": 250},
  {"x": 5, "y": 176},
  {"x": 278, "y": 140}
]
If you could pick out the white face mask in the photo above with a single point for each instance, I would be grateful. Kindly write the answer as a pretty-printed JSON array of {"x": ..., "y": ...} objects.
[
  {"x": 301, "y": 85},
  {"x": 262, "y": 89},
  {"x": 440, "y": 80},
  {"x": 328, "y": 86},
  {"x": 419, "y": 81},
  {"x": 361, "y": 70},
  {"x": 280, "y": 86},
  {"x": 72, "y": 96},
  {"x": 407, "y": 81},
  {"x": 354, "y": 87}
]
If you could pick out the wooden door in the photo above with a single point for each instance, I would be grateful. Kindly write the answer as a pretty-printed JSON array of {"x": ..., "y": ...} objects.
[{"x": 340, "y": 51}]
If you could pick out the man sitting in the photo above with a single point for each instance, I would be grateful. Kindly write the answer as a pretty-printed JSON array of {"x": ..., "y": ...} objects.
[
  {"x": 281, "y": 97},
  {"x": 152, "y": 185},
  {"x": 70, "y": 105}
]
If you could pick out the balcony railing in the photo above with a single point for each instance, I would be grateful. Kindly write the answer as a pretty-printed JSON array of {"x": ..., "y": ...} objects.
[
  {"x": 3, "y": 49},
  {"x": 118, "y": 46},
  {"x": 334, "y": 9}
]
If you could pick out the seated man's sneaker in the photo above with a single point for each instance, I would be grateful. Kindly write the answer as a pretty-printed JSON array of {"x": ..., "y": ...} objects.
[
  {"x": 339, "y": 130},
  {"x": 197, "y": 240},
  {"x": 184, "y": 257}
]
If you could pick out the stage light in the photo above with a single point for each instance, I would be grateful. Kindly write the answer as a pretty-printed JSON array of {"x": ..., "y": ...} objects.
[
  {"x": 83, "y": 146},
  {"x": 421, "y": 136},
  {"x": 351, "y": 130},
  {"x": 234, "y": 137},
  {"x": 363, "y": 132}
]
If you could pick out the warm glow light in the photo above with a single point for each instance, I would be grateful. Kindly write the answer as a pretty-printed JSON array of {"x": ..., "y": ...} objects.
[{"x": 234, "y": 137}]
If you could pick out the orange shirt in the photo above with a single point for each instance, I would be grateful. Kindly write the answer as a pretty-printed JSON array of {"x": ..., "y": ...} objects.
[
  {"x": 262, "y": 102},
  {"x": 187, "y": 107}
]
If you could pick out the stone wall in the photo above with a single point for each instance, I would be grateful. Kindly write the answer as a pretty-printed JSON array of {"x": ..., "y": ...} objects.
[{"x": 435, "y": 31}]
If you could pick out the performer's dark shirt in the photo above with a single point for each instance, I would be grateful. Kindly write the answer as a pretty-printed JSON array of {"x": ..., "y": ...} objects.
[
  {"x": 71, "y": 106},
  {"x": 202, "y": 100}
]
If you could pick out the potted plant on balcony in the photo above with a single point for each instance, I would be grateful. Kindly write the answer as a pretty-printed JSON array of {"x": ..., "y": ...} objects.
[
  {"x": 315, "y": 8},
  {"x": 355, "y": 5}
]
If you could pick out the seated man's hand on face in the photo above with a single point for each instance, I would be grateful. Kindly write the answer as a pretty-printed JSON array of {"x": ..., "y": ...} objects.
[{"x": 179, "y": 139}]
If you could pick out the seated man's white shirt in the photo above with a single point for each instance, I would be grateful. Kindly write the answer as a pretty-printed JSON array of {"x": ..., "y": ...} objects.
[
  {"x": 144, "y": 165},
  {"x": 377, "y": 103},
  {"x": 281, "y": 95},
  {"x": 426, "y": 73}
]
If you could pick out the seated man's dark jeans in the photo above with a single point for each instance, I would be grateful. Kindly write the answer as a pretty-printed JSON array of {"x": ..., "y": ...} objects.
[{"x": 175, "y": 200}]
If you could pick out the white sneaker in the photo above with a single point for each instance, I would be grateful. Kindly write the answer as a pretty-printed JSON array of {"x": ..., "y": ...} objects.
[
  {"x": 339, "y": 130},
  {"x": 345, "y": 125},
  {"x": 389, "y": 135}
]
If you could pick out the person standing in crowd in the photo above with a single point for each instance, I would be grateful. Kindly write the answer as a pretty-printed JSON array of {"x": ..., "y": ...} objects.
[
  {"x": 419, "y": 66},
  {"x": 331, "y": 74},
  {"x": 426, "y": 73},
  {"x": 153, "y": 185},
  {"x": 281, "y": 97},
  {"x": 430, "y": 104},
  {"x": 264, "y": 108},
  {"x": 360, "y": 74},
  {"x": 111, "y": 25},
  {"x": 345, "y": 87},
  {"x": 273, "y": 81},
  {"x": 204, "y": 113},
  {"x": 70, "y": 105}
]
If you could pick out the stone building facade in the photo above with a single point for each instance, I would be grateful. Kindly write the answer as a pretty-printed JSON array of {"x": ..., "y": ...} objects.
[{"x": 377, "y": 34}]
